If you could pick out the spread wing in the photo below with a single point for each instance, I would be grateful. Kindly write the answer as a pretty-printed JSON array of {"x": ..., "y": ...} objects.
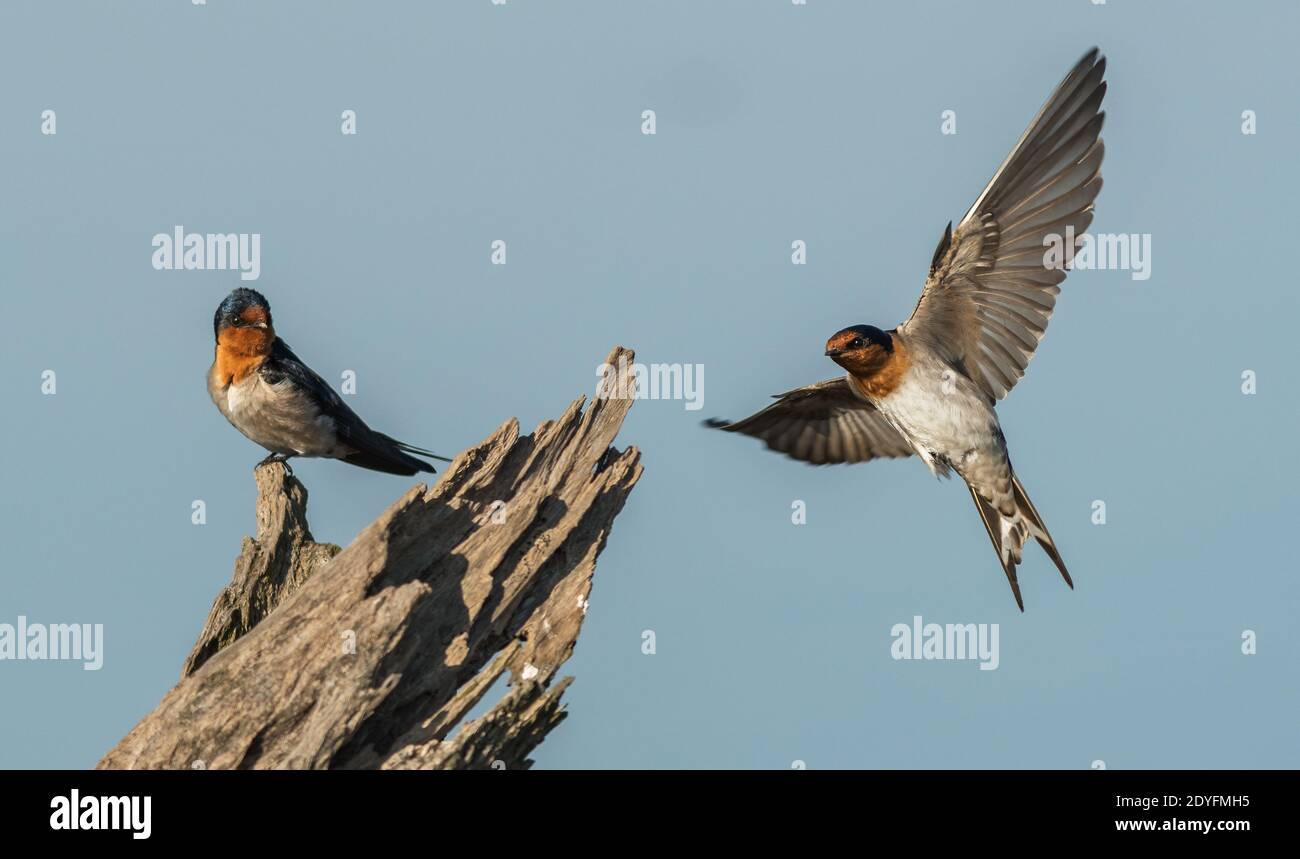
[
  {"x": 990, "y": 293},
  {"x": 822, "y": 424}
]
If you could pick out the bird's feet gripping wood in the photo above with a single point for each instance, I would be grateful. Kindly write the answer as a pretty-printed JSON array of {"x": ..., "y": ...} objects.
[{"x": 282, "y": 458}]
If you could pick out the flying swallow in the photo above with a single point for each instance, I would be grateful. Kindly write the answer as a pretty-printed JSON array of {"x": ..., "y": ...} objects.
[
  {"x": 929, "y": 385},
  {"x": 272, "y": 397}
]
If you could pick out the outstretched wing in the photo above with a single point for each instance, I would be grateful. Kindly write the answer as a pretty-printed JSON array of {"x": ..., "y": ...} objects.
[
  {"x": 822, "y": 424},
  {"x": 990, "y": 293}
]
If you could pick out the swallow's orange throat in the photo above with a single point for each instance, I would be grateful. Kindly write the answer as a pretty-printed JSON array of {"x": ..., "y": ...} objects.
[
  {"x": 240, "y": 351},
  {"x": 876, "y": 370}
]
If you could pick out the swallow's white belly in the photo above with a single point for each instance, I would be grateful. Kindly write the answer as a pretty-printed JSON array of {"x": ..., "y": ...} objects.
[
  {"x": 278, "y": 417},
  {"x": 946, "y": 420}
]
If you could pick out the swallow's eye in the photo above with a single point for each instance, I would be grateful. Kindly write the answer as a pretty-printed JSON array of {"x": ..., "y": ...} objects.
[{"x": 856, "y": 344}]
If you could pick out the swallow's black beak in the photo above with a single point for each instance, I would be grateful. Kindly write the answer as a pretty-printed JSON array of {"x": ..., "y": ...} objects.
[{"x": 831, "y": 353}]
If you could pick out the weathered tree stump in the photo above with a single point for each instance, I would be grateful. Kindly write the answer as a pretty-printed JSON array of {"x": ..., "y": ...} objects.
[{"x": 370, "y": 656}]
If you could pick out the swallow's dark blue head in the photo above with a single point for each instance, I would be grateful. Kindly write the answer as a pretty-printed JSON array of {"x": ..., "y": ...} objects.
[
  {"x": 859, "y": 337},
  {"x": 243, "y": 308}
]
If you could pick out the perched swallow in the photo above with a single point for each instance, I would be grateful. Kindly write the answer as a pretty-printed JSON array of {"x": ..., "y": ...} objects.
[
  {"x": 929, "y": 386},
  {"x": 276, "y": 400}
]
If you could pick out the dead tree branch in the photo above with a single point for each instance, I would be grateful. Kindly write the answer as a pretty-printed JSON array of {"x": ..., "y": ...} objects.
[{"x": 370, "y": 656}]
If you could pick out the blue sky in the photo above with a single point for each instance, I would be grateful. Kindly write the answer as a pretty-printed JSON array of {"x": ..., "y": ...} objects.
[{"x": 774, "y": 123}]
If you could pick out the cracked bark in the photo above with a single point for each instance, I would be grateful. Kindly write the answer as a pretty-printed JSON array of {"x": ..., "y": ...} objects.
[{"x": 370, "y": 656}]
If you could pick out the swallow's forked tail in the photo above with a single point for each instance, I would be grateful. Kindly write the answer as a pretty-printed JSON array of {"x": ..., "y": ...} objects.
[
  {"x": 1010, "y": 533},
  {"x": 379, "y": 452},
  {"x": 410, "y": 448}
]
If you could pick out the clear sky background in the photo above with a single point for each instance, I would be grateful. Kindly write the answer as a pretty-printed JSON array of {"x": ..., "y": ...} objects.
[{"x": 775, "y": 122}]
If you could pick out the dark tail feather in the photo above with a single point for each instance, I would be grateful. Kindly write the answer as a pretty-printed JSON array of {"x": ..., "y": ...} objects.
[
  {"x": 992, "y": 519},
  {"x": 406, "y": 466},
  {"x": 381, "y": 453},
  {"x": 1044, "y": 539},
  {"x": 410, "y": 448}
]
